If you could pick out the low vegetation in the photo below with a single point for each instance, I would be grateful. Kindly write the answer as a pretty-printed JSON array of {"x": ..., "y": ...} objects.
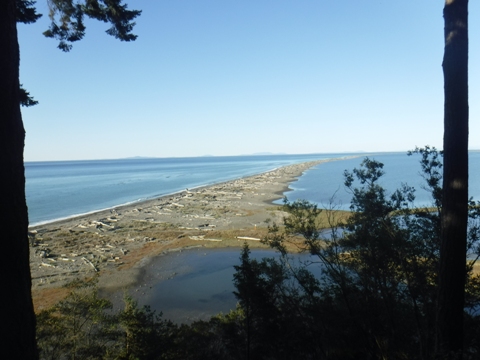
[{"x": 376, "y": 297}]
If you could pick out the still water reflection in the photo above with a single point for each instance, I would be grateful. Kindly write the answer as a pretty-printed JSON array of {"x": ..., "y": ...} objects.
[{"x": 194, "y": 284}]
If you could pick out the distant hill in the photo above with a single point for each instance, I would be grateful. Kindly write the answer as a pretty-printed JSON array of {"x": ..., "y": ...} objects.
[
  {"x": 267, "y": 153},
  {"x": 139, "y": 157}
]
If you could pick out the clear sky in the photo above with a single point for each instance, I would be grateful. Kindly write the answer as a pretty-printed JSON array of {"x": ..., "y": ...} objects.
[{"x": 234, "y": 77}]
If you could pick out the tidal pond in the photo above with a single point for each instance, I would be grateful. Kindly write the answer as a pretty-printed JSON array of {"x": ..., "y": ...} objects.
[{"x": 195, "y": 284}]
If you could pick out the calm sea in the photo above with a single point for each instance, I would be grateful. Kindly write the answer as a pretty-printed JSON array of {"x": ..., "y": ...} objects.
[
  {"x": 323, "y": 184},
  {"x": 61, "y": 189}
]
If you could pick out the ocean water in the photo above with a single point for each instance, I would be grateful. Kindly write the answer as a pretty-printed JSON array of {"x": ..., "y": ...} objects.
[
  {"x": 324, "y": 184},
  {"x": 61, "y": 189},
  {"x": 199, "y": 283}
]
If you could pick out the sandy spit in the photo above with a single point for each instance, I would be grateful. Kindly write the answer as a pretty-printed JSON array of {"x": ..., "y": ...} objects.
[{"x": 115, "y": 244}]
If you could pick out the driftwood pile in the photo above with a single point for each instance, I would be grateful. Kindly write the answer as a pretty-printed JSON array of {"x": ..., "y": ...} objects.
[{"x": 89, "y": 244}]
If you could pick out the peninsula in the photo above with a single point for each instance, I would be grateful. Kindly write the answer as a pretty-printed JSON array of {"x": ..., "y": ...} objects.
[{"x": 114, "y": 244}]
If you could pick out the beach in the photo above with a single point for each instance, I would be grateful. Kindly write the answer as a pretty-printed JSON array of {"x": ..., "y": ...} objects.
[{"x": 116, "y": 244}]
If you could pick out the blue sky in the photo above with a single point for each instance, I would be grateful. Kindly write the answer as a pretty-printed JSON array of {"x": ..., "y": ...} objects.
[{"x": 225, "y": 77}]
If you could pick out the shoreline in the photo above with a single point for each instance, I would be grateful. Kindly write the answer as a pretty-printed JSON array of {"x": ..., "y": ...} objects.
[
  {"x": 144, "y": 200},
  {"x": 114, "y": 244},
  {"x": 147, "y": 201}
]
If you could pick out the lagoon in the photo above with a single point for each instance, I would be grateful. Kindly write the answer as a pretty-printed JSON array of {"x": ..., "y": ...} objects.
[{"x": 195, "y": 284}]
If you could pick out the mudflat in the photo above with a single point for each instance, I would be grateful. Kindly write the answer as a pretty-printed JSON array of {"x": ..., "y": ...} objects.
[{"x": 115, "y": 244}]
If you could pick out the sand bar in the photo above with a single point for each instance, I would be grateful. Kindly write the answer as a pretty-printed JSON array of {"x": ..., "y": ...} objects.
[{"x": 115, "y": 244}]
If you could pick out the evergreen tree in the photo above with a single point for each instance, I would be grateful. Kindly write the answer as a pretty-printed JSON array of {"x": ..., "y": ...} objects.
[
  {"x": 380, "y": 271},
  {"x": 455, "y": 180},
  {"x": 277, "y": 307},
  {"x": 18, "y": 326}
]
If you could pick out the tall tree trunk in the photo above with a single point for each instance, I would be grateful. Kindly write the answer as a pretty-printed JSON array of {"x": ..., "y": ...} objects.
[
  {"x": 17, "y": 322},
  {"x": 455, "y": 181}
]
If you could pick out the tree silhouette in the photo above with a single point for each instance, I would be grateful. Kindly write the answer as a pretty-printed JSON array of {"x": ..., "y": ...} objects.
[
  {"x": 455, "y": 180},
  {"x": 18, "y": 320}
]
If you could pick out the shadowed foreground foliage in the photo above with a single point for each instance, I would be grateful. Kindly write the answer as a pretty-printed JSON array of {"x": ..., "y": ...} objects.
[
  {"x": 376, "y": 297},
  {"x": 83, "y": 327}
]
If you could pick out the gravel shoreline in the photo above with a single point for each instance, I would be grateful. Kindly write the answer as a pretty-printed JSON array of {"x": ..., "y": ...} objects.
[{"x": 115, "y": 244}]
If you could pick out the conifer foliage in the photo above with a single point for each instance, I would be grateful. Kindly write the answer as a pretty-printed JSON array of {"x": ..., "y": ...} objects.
[
  {"x": 374, "y": 297},
  {"x": 68, "y": 20},
  {"x": 84, "y": 326},
  {"x": 25, "y": 12},
  {"x": 18, "y": 326},
  {"x": 379, "y": 289}
]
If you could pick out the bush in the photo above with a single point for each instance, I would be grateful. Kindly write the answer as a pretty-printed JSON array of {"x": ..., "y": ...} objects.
[{"x": 83, "y": 326}]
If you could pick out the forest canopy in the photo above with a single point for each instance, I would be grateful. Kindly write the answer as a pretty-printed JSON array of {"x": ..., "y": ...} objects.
[{"x": 376, "y": 296}]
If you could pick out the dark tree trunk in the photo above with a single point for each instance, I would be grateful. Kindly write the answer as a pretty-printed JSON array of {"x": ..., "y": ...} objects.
[
  {"x": 455, "y": 181},
  {"x": 17, "y": 321}
]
